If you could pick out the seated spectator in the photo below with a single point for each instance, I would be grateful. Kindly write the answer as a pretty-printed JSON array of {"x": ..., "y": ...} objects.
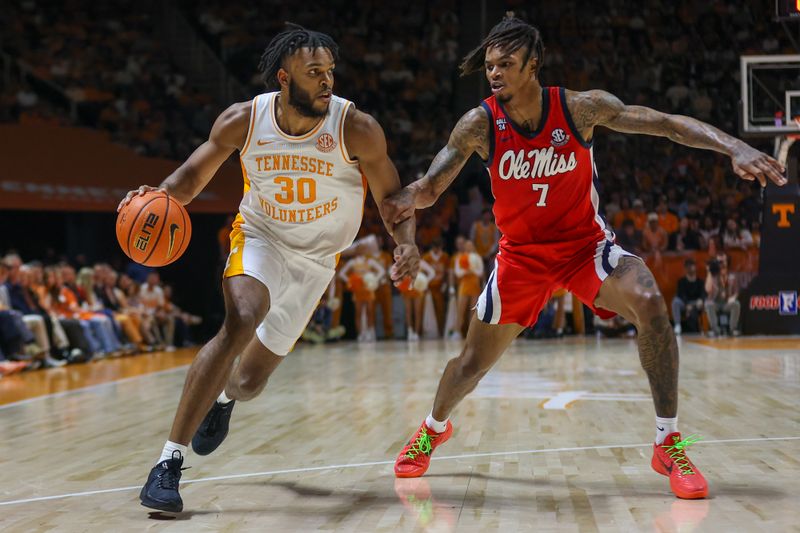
[
  {"x": 685, "y": 238},
  {"x": 709, "y": 229},
  {"x": 735, "y": 237},
  {"x": 20, "y": 299},
  {"x": 666, "y": 220},
  {"x": 119, "y": 322},
  {"x": 151, "y": 295},
  {"x": 620, "y": 213},
  {"x": 688, "y": 302},
  {"x": 40, "y": 323},
  {"x": 131, "y": 303},
  {"x": 722, "y": 293},
  {"x": 112, "y": 299},
  {"x": 182, "y": 319},
  {"x": 81, "y": 346},
  {"x": 16, "y": 339},
  {"x": 96, "y": 327},
  {"x": 654, "y": 238},
  {"x": 638, "y": 215}
]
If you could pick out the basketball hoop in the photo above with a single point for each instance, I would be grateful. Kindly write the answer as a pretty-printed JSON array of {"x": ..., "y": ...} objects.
[{"x": 783, "y": 143}]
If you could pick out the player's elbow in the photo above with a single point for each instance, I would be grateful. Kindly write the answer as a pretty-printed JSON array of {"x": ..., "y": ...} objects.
[{"x": 673, "y": 125}]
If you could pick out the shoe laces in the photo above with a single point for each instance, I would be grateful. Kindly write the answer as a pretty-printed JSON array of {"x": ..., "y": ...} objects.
[
  {"x": 216, "y": 415},
  {"x": 420, "y": 445},
  {"x": 170, "y": 477},
  {"x": 677, "y": 452}
]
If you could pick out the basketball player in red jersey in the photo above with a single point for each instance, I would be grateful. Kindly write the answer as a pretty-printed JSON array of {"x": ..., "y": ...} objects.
[
  {"x": 290, "y": 228},
  {"x": 537, "y": 145}
]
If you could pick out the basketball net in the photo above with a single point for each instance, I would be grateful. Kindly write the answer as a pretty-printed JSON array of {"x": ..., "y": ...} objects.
[{"x": 782, "y": 144}]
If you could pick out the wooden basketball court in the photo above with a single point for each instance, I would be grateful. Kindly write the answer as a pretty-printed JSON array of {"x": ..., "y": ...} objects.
[{"x": 557, "y": 437}]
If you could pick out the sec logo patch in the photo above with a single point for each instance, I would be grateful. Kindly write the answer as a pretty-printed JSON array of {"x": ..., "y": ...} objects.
[{"x": 325, "y": 143}]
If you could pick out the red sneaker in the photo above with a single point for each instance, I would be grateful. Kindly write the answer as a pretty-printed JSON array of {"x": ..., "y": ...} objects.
[
  {"x": 415, "y": 458},
  {"x": 669, "y": 459}
]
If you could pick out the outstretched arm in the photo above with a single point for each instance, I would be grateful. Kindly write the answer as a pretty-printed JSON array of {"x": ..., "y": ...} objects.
[
  {"x": 599, "y": 108},
  {"x": 228, "y": 134},
  {"x": 469, "y": 136},
  {"x": 366, "y": 142}
]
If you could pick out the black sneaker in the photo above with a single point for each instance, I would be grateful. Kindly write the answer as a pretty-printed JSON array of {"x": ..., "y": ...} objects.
[
  {"x": 214, "y": 428},
  {"x": 161, "y": 490}
]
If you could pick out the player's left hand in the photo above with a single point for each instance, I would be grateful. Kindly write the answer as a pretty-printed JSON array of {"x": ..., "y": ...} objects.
[
  {"x": 751, "y": 165},
  {"x": 406, "y": 263}
]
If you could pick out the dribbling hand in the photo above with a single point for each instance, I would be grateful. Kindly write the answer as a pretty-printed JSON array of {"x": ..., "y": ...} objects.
[{"x": 138, "y": 192}]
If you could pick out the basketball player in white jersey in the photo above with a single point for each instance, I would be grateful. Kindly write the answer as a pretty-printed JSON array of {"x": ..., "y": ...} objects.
[{"x": 307, "y": 157}]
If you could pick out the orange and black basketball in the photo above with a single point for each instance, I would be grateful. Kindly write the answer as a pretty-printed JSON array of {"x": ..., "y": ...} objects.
[{"x": 154, "y": 229}]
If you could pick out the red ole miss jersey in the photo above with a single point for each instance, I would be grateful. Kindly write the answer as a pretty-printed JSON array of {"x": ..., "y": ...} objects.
[{"x": 544, "y": 182}]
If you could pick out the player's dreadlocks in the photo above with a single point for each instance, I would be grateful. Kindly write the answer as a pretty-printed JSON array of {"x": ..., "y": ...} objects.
[
  {"x": 510, "y": 34},
  {"x": 286, "y": 43}
]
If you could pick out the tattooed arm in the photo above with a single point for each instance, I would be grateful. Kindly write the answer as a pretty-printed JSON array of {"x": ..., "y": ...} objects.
[
  {"x": 470, "y": 135},
  {"x": 599, "y": 108}
]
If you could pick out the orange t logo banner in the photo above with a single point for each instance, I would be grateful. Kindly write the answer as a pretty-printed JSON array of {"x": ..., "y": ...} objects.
[{"x": 784, "y": 210}]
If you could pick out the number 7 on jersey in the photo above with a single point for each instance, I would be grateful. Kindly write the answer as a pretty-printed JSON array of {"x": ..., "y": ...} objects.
[{"x": 543, "y": 198}]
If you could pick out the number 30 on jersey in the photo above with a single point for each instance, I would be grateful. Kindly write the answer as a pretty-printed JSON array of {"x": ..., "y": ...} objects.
[{"x": 304, "y": 190}]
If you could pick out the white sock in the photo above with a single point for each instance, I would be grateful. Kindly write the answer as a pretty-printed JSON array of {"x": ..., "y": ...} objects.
[
  {"x": 434, "y": 424},
  {"x": 170, "y": 447},
  {"x": 223, "y": 399},
  {"x": 665, "y": 426}
]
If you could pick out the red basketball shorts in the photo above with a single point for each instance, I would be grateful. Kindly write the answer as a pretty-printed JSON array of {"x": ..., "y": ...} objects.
[{"x": 525, "y": 277}]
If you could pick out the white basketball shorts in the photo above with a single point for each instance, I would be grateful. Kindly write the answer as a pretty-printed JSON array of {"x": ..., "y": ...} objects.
[{"x": 295, "y": 282}]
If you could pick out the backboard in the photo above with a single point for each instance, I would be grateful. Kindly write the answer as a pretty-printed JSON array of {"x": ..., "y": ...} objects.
[{"x": 770, "y": 94}]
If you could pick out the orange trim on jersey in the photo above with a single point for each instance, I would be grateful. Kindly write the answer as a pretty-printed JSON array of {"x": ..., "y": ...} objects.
[
  {"x": 342, "y": 147},
  {"x": 253, "y": 114},
  {"x": 246, "y": 177},
  {"x": 364, "y": 184},
  {"x": 235, "y": 266},
  {"x": 286, "y": 135}
]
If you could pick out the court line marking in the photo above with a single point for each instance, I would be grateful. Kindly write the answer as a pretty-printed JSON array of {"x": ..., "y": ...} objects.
[
  {"x": 380, "y": 463},
  {"x": 92, "y": 387}
]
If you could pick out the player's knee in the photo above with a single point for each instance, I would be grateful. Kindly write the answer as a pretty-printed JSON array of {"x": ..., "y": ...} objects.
[
  {"x": 650, "y": 305},
  {"x": 240, "y": 324},
  {"x": 249, "y": 386},
  {"x": 470, "y": 367}
]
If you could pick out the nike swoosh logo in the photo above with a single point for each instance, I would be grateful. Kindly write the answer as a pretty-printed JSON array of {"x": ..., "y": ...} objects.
[
  {"x": 660, "y": 429},
  {"x": 172, "y": 229},
  {"x": 262, "y": 143}
]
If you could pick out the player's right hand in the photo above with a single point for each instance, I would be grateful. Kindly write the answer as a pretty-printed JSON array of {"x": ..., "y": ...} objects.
[
  {"x": 400, "y": 205},
  {"x": 752, "y": 165},
  {"x": 138, "y": 192}
]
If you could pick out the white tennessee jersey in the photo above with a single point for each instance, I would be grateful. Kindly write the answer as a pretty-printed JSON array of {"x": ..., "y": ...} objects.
[{"x": 302, "y": 192}]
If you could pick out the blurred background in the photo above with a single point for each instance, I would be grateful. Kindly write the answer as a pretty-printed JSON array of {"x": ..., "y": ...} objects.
[{"x": 101, "y": 97}]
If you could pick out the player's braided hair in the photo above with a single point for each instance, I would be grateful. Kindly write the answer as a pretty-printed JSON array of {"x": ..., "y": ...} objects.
[
  {"x": 510, "y": 34},
  {"x": 286, "y": 43}
]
